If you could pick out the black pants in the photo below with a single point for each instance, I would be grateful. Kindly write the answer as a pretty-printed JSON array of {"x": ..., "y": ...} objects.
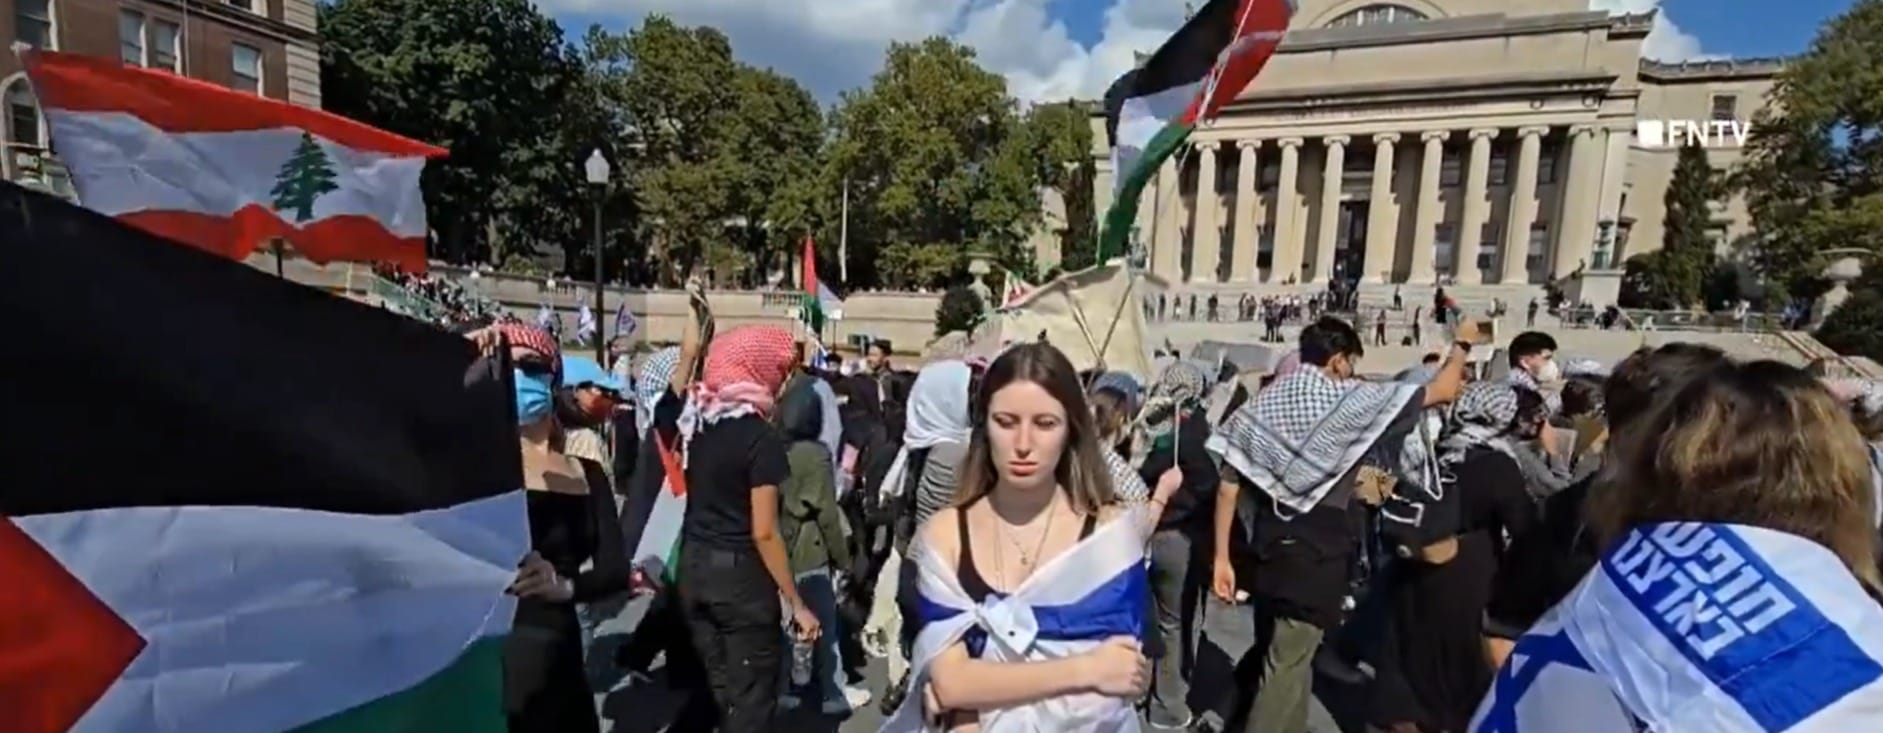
[{"x": 732, "y": 613}]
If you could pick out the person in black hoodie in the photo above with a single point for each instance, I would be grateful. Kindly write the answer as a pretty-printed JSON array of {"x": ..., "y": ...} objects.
[{"x": 1175, "y": 423}]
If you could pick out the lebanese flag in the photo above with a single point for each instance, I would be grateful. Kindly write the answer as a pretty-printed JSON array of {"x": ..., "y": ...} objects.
[
  {"x": 1150, "y": 111},
  {"x": 227, "y": 171},
  {"x": 255, "y": 507}
]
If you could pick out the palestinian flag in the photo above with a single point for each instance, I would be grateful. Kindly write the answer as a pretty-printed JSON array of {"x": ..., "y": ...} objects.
[
  {"x": 1151, "y": 110},
  {"x": 818, "y": 302},
  {"x": 253, "y": 507},
  {"x": 225, "y": 171},
  {"x": 657, "y": 550}
]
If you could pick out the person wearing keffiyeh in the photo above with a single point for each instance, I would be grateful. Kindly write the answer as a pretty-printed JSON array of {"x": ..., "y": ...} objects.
[
  {"x": 1294, "y": 451},
  {"x": 1176, "y": 429},
  {"x": 733, "y": 565},
  {"x": 1430, "y": 669}
]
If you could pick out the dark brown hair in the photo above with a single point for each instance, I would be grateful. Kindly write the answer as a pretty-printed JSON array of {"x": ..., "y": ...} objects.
[
  {"x": 1761, "y": 444},
  {"x": 1081, "y": 467},
  {"x": 1631, "y": 388}
]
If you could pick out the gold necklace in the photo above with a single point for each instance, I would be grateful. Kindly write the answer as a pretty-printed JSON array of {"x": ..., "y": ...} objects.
[{"x": 1039, "y": 546}]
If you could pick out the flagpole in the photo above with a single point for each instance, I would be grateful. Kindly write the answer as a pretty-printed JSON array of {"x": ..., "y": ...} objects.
[
  {"x": 281, "y": 270},
  {"x": 843, "y": 236}
]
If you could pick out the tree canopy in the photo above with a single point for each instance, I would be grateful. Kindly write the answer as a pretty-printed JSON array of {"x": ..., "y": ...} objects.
[
  {"x": 1813, "y": 175},
  {"x": 721, "y": 168},
  {"x": 489, "y": 80},
  {"x": 1676, "y": 276}
]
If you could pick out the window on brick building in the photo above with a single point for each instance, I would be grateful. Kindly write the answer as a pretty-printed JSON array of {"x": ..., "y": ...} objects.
[
  {"x": 247, "y": 65},
  {"x": 32, "y": 23}
]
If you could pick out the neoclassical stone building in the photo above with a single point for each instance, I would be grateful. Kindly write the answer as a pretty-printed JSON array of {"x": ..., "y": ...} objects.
[{"x": 1488, "y": 143}]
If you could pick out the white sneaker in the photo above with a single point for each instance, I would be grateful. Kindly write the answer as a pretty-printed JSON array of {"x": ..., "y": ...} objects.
[
  {"x": 853, "y": 698},
  {"x": 789, "y": 702}
]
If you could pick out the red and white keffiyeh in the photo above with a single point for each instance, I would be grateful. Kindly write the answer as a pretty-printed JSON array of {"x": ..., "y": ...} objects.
[{"x": 745, "y": 367}]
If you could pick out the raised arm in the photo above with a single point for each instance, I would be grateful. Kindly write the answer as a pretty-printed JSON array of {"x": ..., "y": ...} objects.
[
  {"x": 1450, "y": 380},
  {"x": 693, "y": 340}
]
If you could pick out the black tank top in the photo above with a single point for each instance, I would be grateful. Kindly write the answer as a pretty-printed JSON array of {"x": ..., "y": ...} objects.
[{"x": 970, "y": 577}]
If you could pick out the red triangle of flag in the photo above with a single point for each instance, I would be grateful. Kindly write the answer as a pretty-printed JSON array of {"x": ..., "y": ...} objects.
[{"x": 60, "y": 647}]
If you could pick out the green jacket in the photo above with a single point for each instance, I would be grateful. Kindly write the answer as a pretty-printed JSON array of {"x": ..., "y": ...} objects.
[{"x": 812, "y": 523}]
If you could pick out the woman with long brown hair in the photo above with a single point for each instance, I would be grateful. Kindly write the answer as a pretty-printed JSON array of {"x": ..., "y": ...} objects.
[
  {"x": 1737, "y": 588},
  {"x": 1032, "y": 585}
]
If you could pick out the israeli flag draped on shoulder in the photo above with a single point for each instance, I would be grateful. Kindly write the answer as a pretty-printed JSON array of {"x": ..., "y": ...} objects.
[
  {"x": 1699, "y": 628},
  {"x": 1092, "y": 592}
]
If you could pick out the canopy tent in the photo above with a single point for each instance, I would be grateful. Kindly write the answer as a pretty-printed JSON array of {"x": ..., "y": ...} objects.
[{"x": 1095, "y": 316}]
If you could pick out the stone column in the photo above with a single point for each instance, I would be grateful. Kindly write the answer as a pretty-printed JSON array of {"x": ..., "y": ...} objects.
[
  {"x": 1617, "y": 144},
  {"x": 1206, "y": 236},
  {"x": 1247, "y": 219},
  {"x": 1290, "y": 237},
  {"x": 1425, "y": 217},
  {"x": 1477, "y": 208},
  {"x": 1522, "y": 206},
  {"x": 1331, "y": 170},
  {"x": 1167, "y": 242},
  {"x": 1382, "y": 222},
  {"x": 1575, "y": 233}
]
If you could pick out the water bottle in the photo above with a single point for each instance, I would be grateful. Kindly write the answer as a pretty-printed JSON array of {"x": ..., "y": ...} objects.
[{"x": 801, "y": 662}]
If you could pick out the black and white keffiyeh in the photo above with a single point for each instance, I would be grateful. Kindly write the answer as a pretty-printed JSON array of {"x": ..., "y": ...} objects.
[
  {"x": 1482, "y": 418},
  {"x": 1298, "y": 438}
]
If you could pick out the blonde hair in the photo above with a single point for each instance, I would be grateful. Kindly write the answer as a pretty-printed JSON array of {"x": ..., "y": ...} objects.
[
  {"x": 1081, "y": 468},
  {"x": 1760, "y": 444}
]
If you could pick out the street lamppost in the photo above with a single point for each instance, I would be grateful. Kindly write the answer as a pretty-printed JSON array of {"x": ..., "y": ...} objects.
[{"x": 598, "y": 171}]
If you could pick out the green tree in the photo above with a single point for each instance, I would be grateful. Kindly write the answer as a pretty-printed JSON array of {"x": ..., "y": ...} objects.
[
  {"x": 939, "y": 163},
  {"x": 492, "y": 82},
  {"x": 960, "y": 309},
  {"x": 1856, "y": 328},
  {"x": 1813, "y": 174},
  {"x": 724, "y": 160},
  {"x": 304, "y": 178},
  {"x": 1676, "y": 275},
  {"x": 1062, "y": 141}
]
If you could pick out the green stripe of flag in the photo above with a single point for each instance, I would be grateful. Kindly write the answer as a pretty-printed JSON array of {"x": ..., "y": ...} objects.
[
  {"x": 465, "y": 697},
  {"x": 1115, "y": 239}
]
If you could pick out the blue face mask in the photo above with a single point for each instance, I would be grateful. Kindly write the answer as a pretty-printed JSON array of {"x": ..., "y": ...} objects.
[{"x": 534, "y": 397}]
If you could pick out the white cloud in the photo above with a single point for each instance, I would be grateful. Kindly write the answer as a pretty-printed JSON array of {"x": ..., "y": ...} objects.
[
  {"x": 833, "y": 45},
  {"x": 1667, "y": 42}
]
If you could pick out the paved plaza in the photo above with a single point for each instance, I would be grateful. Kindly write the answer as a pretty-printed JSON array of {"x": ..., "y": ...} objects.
[{"x": 642, "y": 706}]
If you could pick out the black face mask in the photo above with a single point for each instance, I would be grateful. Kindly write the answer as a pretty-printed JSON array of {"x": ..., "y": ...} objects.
[{"x": 569, "y": 412}]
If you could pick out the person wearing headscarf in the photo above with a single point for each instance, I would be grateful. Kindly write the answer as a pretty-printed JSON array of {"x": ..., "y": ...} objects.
[
  {"x": 571, "y": 512},
  {"x": 1431, "y": 668},
  {"x": 733, "y": 563},
  {"x": 920, "y": 482},
  {"x": 1295, "y": 451},
  {"x": 817, "y": 546},
  {"x": 1177, "y": 430}
]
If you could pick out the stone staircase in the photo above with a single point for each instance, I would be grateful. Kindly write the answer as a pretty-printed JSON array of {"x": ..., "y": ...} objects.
[{"x": 1605, "y": 346}]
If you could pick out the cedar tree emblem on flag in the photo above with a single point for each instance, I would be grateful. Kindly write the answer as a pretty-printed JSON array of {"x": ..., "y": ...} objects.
[{"x": 303, "y": 179}]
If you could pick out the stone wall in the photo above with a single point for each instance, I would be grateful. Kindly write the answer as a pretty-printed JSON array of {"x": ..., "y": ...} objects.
[{"x": 906, "y": 319}]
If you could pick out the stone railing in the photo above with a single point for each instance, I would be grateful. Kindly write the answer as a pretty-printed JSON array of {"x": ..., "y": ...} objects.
[
  {"x": 36, "y": 168},
  {"x": 907, "y": 320}
]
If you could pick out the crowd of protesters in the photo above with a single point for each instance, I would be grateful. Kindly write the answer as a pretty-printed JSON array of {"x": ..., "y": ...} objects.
[{"x": 1026, "y": 544}]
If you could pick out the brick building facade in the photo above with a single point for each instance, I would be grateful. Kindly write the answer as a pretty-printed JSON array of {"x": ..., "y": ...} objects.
[{"x": 264, "y": 46}]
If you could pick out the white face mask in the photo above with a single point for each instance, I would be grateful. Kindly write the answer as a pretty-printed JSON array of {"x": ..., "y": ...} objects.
[{"x": 1549, "y": 372}]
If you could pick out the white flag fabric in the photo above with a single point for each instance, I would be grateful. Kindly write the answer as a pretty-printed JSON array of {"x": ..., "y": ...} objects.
[
  {"x": 1090, "y": 593},
  {"x": 1688, "y": 627},
  {"x": 585, "y": 325}
]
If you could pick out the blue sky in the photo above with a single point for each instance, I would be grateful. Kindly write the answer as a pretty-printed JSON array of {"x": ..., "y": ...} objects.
[{"x": 1052, "y": 49}]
